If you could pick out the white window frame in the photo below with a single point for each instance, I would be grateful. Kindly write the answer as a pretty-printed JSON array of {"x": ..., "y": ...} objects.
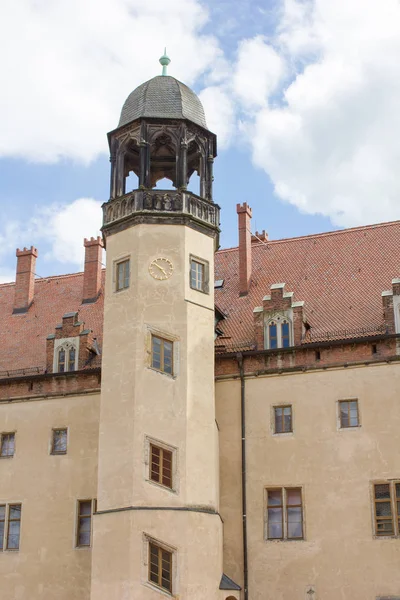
[
  {"x": 66, "y": 344},
  {"x": 115, "y": 274},
  {"x": 205, "y": 288},
  {"x": 284, "y": 489},
  {"x": 1, "y": 443},
  {"x": 278, "y": 320},
  {"x": 7, "y": 506}
]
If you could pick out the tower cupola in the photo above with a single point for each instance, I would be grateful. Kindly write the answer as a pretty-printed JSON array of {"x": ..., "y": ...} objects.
[{"x": 162, "y": 134}]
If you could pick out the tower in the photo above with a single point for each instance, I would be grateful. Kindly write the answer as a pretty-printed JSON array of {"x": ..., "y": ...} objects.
[{"x": 157, "y": 528}]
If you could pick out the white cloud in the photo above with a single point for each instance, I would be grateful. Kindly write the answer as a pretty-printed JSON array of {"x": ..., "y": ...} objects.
[
  {"x": 57, "y": 231},
  {"x": 70, "y": 65},
  {"x": 332, "y": 146},
  {"x": 220, "y": 113}
]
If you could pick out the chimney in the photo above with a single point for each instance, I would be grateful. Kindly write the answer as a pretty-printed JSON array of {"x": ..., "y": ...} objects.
[
  {"x": 25, "y": 279},
  {"x": 92, "y": 273},
  {"x": 244, "y": 218}
]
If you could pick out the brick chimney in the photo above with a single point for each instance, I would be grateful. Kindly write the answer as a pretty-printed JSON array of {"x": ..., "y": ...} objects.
[
  {"x": 25, "y": 279},
  {"x": 244, "y": 218},
  {"x": 92, "y": 273}
]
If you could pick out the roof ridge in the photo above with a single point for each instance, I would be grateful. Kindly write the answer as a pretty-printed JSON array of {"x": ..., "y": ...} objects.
[{"x": 317, "y": 235}]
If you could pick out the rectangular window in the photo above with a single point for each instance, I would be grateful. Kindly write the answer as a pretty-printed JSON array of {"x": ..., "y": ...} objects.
[
  {"x": 160, "y": 567},
  {"x": 283, "y": 419},
  {"x": 384, "y": 495},
  {"x": 284, "y": 514},
  {"x": 122, "y": 275},
  {"x": 84, "y": 524},
  {"x": 348, "y": 413},
  {"x": 59, "y": 441},
  {"x": 7, "y": 445},
  {"x": 14, "y": 526},
  {"x": 161, "y": 466},
  {"x": 199, "y": 275},
  {"x": 162, "y": 354},
  {"x": 2, "y": 524}
]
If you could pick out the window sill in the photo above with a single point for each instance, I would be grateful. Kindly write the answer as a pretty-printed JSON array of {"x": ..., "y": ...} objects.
[
  {"x": 353, "y": 428},
  {"x": 284, "y": 540},
  {"x": 284, "y": 434},
  {"x": 7, "y": 456},
  {"x": 155, "y": 587},
  {"x": 58, "y": 453},
  {"x": 171, "y": 376},
  {"x": 206, "y": 292},
  {"x": 161, "y": 486}
]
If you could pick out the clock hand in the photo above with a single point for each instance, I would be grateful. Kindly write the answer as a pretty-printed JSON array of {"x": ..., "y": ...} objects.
[{"x": 161, "y": 269}]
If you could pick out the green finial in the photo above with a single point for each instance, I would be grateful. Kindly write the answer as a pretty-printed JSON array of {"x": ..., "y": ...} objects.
[{"x": 164, "y": 61}]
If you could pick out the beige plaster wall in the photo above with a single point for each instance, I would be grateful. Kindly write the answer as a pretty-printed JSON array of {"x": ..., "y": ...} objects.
[
  {"x": 47, "y": 565},
  {"x": 339, "y": 556},
  {"x": 140, "y": 403}
]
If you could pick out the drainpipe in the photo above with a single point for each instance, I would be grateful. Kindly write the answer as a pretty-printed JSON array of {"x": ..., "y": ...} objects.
[{"x": 239, "y": 358}]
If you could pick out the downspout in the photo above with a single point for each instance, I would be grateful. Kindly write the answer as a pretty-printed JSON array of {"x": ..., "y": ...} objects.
[{"x": 239, "y": 358}]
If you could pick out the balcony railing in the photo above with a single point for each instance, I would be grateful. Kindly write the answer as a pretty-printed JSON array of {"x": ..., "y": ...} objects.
[{"x": 168, "y": 202}]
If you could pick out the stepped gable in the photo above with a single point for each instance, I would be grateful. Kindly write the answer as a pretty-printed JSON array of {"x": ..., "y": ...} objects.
[
  {"x": 23, "y": 336},
  {"x": 339, "y": 275}
]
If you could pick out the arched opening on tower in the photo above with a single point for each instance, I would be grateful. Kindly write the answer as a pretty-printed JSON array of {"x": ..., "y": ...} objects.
[
  {"x": 131, "y": 166},
  {"x": 194, "y": 183},
  {"x": 195, "y": 172},
  {"x": 131, "y": 182},
  {"x": 164, "y": 184},
  {"x": 163, "y": 162}
]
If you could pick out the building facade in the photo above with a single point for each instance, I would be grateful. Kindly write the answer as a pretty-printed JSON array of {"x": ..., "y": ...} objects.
[{"x": 192, "y": 422}]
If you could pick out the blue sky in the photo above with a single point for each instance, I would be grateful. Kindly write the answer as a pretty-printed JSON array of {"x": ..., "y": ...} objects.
[{"x": 303, "y": 95}]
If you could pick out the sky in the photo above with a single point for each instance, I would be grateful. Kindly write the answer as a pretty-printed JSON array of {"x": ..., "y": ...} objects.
[{"x": 303, "y": 95}]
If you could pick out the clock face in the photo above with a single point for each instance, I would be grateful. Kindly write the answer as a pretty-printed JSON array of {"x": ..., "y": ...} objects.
[{"x": 161, "y": 268}]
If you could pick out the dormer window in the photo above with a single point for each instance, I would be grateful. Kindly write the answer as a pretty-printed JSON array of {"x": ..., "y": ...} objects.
[
  {"x": 278, "y": 333},
  {"x": 65, "y": 355}
]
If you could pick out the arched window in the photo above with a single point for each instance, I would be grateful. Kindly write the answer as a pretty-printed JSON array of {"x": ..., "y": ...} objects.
[
  {"x": 278, "y": 333},
  {"x": 65, "y": 358},
  {"x": 273, "y": 335},
  {"x": 71, "y": 359},
  {"x": 61, "y": 360},
  {"x": 285, "y": 334}
]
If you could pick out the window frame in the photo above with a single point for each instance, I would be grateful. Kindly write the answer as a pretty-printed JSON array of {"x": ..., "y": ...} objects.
[
  {"x": 284, "y": 508},
  {"x": 163, "y": 341},
  {"x": 394, "y": 502},
  {"x": 149, "y": 541},
  {"x": 79, "y": 516},
  {"x": 278, "y": 321},
  {"x": 126, "y": 275},
  {"x": 348, "y": 427},
  {"x": 205, "y": 287},
  {"x": 2, "y": 435},
  {"x": 160, "y": 478},
  {"x": 53, "y": 452},
  {"x": 5, "y": 540},
  {"x": 282, "y": 407}
]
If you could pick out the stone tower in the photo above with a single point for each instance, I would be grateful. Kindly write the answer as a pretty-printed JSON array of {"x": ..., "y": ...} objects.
[{"x": 157, "y": 528}]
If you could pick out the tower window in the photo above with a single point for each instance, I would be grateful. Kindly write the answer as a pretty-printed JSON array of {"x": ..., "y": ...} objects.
[
  {"x": 199, "y": 276},
  {"x": 122, "y": 272},
  {"x": 278, "y": 333},
  {"x": 7, "y": 445},
  {"x": 84, "y": 523},
  {"x": 348, "y": 410},
  {"x": 283, "y": 419},
  {"x": 160, "y": 567},
  {"x": 161, "y": 466},
  {"x": 59, "y": 441},
  {"x": 162, "y": 354}
]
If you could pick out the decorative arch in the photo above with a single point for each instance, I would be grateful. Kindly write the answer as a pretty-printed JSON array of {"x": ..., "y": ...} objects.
[{"x": 65, "y": 356}]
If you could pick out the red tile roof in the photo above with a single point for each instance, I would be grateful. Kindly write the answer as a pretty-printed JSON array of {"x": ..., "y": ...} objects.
[
  {"x": 23, "y": 336},
  {"x": 339, "y": 275}
]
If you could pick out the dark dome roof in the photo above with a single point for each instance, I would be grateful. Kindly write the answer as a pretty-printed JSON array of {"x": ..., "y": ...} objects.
[{"x": 163, "y": 97}]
